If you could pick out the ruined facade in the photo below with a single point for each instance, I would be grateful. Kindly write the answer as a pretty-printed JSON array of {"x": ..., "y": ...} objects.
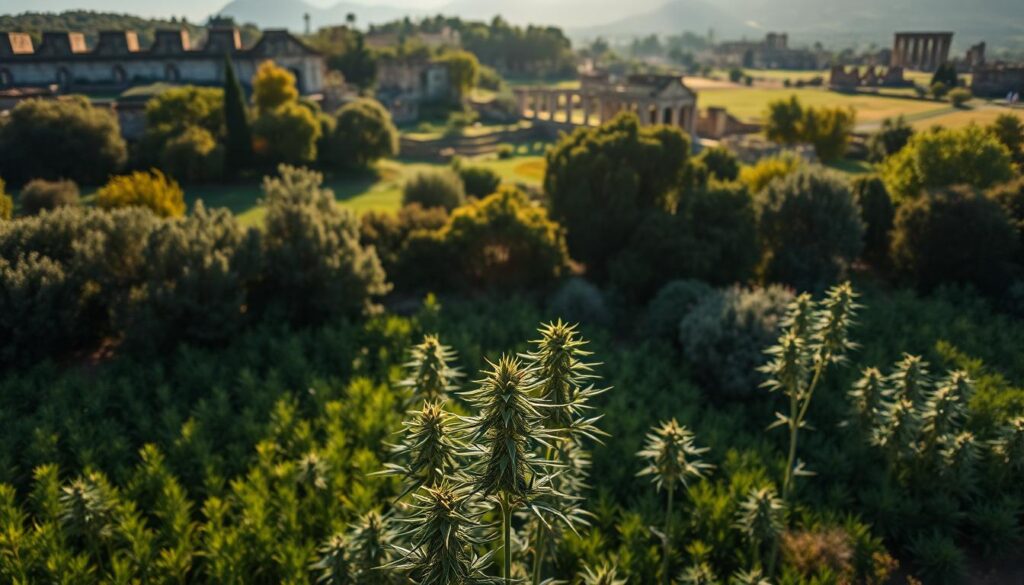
[
  {"x": 404, "y": 84},
  {"x": 773, "y": 52},
  {"x": 656, "y": 99},
  {"x": 921, "y": 51},
  {"x": 850, "y": 78},
  {"x": 998, "y": 79},
  {"x": 117, "y": 62}
]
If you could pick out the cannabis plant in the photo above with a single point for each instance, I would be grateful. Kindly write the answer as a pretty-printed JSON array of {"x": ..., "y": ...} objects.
[
  {"x": 441, "y": 532},
  {"x": 672, "y": 458},
  {"x": 361, "y": 555},
  {"x": 604, "y": 575},
  {"x": 428, "y": 450},
  {"x": 760, "y": 519},
  {"x": 430, "y": 376},
  {"x": 815, "y": 337},
  {"x": 752, "y": 577}
]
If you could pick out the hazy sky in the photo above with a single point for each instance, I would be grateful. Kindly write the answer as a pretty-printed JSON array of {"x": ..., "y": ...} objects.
[{"x": 193, "y": 9}]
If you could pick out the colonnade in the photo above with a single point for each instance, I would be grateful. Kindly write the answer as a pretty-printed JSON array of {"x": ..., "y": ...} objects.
[
  {"x": 583, "y": 108},
  {"x": 921, "y": 51}
]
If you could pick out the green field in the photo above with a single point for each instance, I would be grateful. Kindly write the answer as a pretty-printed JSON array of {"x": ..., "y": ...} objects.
[
  {"x": 750, "y": 103},
  {"x": 379, "y": 190}
]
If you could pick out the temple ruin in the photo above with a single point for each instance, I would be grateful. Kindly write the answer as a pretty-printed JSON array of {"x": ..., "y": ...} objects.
[
  {"x": 656, "y": 99},
  {"x": 921, "y": 51}
]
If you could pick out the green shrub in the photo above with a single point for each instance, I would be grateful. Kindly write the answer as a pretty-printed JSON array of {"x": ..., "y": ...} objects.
[
  {"x": 41, "y": 195},
  {"x": 435, "y": 188},
  {"x": 936, "y": 559},
  {"x": 758, "y": 176},
  {"x": 960, "y": 96},
  {"x": 720, "y": 163},
  {"x": 810, "y": 229},
  {"x": 877, "y": 214},
  {"x": 6, "y": 204},
  {"x": 286, "y": 134},
  {"x": 195, "y": 280},
  {"x": 673, "y": 302},
  {"x": 177, "y": 110},
  {"x": 363, "y": 133},
  {"x": 60, "y": 139},
  {"x": 505, "y": 151},
  {"x": 578, "y": 301},
  {"x": 1009, "y": 130},
  {"x": 828, "y": 130},
  {"x": 38, "y": 308},
  {"x": 602, "y": 182},
  {"x": 504, "y": 242},
  {"x": 1011, "y": 197},
  {"x": 389, "y": 234},
  {"x": 954, "y": 235},
  {"x": 725, "y": 334},
  {"x": 314, "y": 267},
  {"x": 478, "y": 181},
  {"x": 890, "y": 139},
  {"x": 996, "y": 529},
  {"x": 943, "y": 158},
  {"x": 151, "y": 190},
  {"x": 193, "y": 156},
  {"x": 938, "y": 90}
]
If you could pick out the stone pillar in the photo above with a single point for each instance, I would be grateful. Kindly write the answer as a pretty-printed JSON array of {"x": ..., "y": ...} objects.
[
  {"x": 538, "y": 101},
  {"x": 569, "y": 106},
  {"x": 933, "y": 52},
  {"x": 674, "y": 117},
  {"x": 585, "y": 106},
  {"x": 521, "y": 103}
]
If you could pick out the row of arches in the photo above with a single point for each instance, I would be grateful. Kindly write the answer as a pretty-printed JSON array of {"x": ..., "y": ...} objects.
[{"x": 65, "y": 80}]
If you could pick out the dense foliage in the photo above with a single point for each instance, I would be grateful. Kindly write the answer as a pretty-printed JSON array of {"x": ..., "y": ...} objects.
[
  {"x": 788, "y": 122},
  {"x": 152, "y": 190},
  {"x": 40, "y": 195},
  {"x": 439, "y": 188},
  {"x": 60, "y": 139},
  {"x": 363, "y": 133}
]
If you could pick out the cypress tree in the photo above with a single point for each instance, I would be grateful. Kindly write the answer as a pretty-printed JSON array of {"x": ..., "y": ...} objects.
[{"x": 238, "y": 144}]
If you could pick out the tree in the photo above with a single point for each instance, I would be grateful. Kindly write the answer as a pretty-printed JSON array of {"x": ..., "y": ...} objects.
[
  {"x": 890, "y": 139},
  {"x": 828, "y": 130},
  {"x": 478, "y": 181},
  {"x": 314, "y": 265},
  {"x": 946, "y": 75},
  {"x": 60, "y": 139},
  {"x": 434, "y": 188},
  {"x": 151, "y": 190},
  {"x": 944, "y": 157},
  {"x": 40, "y": 195},
  {"x": 602, "y": 181},
  {"x": 286, "y": 134},
  {"x": 238, "y": 154},
  {"x": 363, "y": 133},
  {"x": 273, "y": 87},
  {"x": 6, "y": 203},
  {"x": 810, "y": 229},
  {"x": 505, "y": 242},
  {"x": 1011, "y": 197},
  {"x": 720, "y": 162},
  {"x": 1009, "y": 130},
  {"x": 954, "y": 235},
  {"x": 783, "y": 120},
  {"x": 463, "y": 72},
  {"x": 960, "y": 96},
  {"x": 760, "y": 175},
  {"x": 877, "y": 214},
  {"x": 193, "y": 156}
]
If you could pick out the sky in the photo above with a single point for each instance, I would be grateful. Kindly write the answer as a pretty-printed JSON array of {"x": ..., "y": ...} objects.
[{"x": 193, "y": 9}]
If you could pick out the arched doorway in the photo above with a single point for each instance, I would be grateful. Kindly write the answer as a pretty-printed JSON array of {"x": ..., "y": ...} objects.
[
  {"x": 666, "y": 116},
  {"x": 171, "y": 73},
  {"x": 120, "y": 77},
  {"x": 63, "y": 78}
]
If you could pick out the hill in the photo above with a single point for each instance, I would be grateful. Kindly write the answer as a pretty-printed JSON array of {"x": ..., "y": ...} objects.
[
  {"x": 673, "y": 18},
  {"x": 289, "y": 13}
]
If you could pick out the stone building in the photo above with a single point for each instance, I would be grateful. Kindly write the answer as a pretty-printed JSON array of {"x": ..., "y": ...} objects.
[
  {"x": 117, "y": 62},
  {"x": 998, "y": 79},
  {"x": 851, "y": 78},
  {"x": 656, "y": 99},
  {"x": 922, "y": 51},
  {"x": 974, "y": 58},
  {"x": 773, "y": 52},
  {"x": 406, "y": 83}
]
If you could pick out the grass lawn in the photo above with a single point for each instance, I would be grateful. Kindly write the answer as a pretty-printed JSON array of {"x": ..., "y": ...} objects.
[
  {"x": 981, "y": 113},
  {"x": 749, "y": 103},
  {"x": 379, "y": 191}
]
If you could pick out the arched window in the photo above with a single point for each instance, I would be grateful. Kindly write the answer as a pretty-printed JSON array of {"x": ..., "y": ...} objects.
[
  {"x": 63, "y": 78},
  {"x": 666, "y": 116},
  {"x": 120, "y": 76},
  {"x": 6, "y": 78},
  {"x": 171, "y": 73}
]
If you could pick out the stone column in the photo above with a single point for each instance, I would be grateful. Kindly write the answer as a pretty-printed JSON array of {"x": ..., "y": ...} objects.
[
  {"x": 674, "y": 118},
  {"x": 538, "y": 101},
  {"x": 933, "y": 57},
  {"x": 585, "y": 106},
  {"x": 521, "y": 103},
  {"x": 569, "y": 106}
]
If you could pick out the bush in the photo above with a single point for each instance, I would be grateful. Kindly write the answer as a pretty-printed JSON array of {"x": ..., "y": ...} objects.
[
  {"x": 944, "y": 158},
  {"x": 193, "y": 156},
  {"x": 1009, "y": 130},
  {"x": 673, "y": 302},
  {"x": 828, "y": 130},
  {"x": 1011, "y": 197},
  {"x": 505, "y": 151},
  {"x": 389, "y": 234},
  {"x": 41, "y": 195},
  {"x": 363, "y": 133},
  {"x": 720, "y": 162},
  {"x": 603, "y": 181},
  {"x": 171, "y": 113},
  {"x": 937, "y": 559},
  {"x": 783, "y": 121},
  {"x": 152, "y": 190},
  {"x": 711, "y": 237},
  {"x": 273, "y": 87},
  {"x": 810, "y": 229},
  {"x": 504, "y": 242},
  {"x": 877, "y": 213},
  {"x": 196, "y": 276},
  {"x": 578, "y": 301},
  {"x": 287, "y": 134},
  {"x": 60, "y": 139},
  {"x": 954, "y": 235},
  {"x": 314, "y": 265},
  {"x": 758, "y": 176},
  {"x": 478, "y": 181},
  {"x": 38, "y": 307},
  {"x": 890, "y": 139},
  {"x": 960, "y": 96},
  {"x": 434, "y": 188},
  {"x": 725, "y": 334},
  {"x": 6, "y": 203},
  {"x": 938, "y": 90}
]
